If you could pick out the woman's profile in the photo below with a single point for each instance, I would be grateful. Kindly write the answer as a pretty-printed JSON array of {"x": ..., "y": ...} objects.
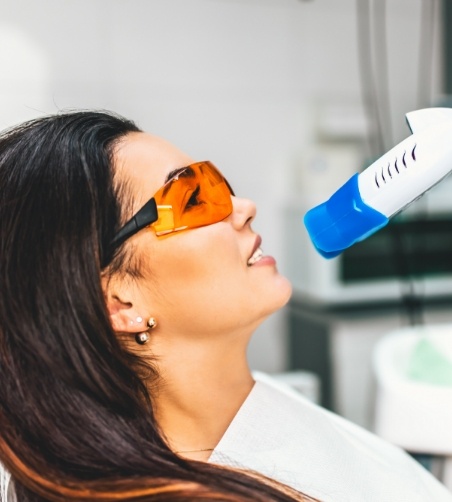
[{"x": 131, "y": 281}]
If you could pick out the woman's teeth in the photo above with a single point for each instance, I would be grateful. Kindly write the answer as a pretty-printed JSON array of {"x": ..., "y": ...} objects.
[{"x": 257, "y": 255}]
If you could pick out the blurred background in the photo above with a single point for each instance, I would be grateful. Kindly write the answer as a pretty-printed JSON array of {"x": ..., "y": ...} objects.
[{"x": 289, "y": 98}]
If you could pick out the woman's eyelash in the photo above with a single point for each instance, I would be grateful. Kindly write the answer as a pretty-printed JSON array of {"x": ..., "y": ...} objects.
[{"x": 193, "y": 200}]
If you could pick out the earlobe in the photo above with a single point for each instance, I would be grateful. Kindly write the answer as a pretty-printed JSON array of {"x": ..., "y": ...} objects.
[{"x": 143, "y": 337}]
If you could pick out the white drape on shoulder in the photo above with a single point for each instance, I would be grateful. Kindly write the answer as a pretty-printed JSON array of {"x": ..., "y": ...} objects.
[{"x": 5, "y": 492}]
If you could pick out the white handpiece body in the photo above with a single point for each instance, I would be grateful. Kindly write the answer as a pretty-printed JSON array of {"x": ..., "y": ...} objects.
[
  {"x": 412, "y": 167},
  {"x": 366, "y": 201}
]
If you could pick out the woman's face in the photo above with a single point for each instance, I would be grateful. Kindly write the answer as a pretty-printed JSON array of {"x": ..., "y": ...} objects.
[{"x": 195, "y": 282}]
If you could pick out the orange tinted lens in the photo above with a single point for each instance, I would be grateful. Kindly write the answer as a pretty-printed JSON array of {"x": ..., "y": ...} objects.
[{"x": 198, "y": 196}]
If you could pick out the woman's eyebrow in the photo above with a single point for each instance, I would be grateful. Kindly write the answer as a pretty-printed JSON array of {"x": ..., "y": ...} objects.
[{"x": 174, "y": 173}]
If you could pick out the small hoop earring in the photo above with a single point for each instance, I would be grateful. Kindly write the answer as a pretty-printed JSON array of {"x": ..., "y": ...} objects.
[
  {"x": 142, "y": 338},
  {"x": 152, "y": 323}
]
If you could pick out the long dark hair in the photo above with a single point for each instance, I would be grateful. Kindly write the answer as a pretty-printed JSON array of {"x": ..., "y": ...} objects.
[{"x": 76, "y": 420}]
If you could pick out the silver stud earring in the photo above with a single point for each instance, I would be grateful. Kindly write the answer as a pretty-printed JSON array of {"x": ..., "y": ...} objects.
[
  {"x": 152, "y": 323},
  {"x": 142, "y": 338}
]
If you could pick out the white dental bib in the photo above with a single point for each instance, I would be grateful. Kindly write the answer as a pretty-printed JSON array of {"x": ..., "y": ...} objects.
[{"x": 282, "y": 435}]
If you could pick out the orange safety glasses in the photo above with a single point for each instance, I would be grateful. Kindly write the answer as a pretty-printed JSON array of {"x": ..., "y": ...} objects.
[{"x": 196, "y": 196}]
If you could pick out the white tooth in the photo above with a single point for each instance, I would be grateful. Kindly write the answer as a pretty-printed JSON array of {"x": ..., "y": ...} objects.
[{"x": 257, "y": 255}]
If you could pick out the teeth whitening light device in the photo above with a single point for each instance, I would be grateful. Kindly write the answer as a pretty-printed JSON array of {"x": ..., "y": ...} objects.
[{"x": 367, "y": 201}]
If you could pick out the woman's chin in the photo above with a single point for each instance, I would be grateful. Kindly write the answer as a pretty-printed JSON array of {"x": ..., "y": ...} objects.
[
  {"x": 285, "y": 290},
  {"x": 280, "y": 295}
]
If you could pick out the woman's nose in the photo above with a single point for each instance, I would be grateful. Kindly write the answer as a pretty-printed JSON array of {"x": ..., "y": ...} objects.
[{"x": 243, "y": 212}]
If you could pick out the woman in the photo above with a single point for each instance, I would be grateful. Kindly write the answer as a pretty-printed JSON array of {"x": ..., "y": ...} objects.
[{"x": 130, "y": 283}]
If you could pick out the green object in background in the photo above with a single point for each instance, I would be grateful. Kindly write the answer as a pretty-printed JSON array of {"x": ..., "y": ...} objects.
[{"x": 428, "y": 365}]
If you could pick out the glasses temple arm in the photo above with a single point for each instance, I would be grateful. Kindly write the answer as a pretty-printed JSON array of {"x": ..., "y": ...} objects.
[{"x": 147, "y": 215}]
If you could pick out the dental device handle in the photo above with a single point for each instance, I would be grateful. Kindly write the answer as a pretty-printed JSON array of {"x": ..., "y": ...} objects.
[{"x": 367, "y": 201}]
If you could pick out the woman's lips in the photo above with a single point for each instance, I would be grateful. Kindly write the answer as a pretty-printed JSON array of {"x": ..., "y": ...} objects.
[
  {"x": 255, "y": 251},
  {"x": 257, "y": 257},
  {"x": 265, "y": 260}
]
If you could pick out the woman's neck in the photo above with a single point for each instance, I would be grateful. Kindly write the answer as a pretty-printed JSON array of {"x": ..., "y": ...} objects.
[{"x": 201, "y": 388}]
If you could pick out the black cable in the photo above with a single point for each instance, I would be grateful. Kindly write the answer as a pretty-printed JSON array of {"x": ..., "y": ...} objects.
[{"x": 412, "y": 303}]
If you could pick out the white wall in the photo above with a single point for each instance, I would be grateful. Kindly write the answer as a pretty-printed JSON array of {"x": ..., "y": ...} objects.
[{"x": 234, "y": 81}]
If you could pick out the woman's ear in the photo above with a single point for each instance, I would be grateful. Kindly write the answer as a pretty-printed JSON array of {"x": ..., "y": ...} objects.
[{"x": 124, "y": 315}]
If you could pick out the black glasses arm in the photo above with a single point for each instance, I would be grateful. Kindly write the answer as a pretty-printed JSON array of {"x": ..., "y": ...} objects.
[{"x": 147, "y": 215}]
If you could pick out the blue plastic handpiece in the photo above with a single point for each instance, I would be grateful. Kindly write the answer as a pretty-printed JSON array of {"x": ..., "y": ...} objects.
[{"x": 342, "y": 220}]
